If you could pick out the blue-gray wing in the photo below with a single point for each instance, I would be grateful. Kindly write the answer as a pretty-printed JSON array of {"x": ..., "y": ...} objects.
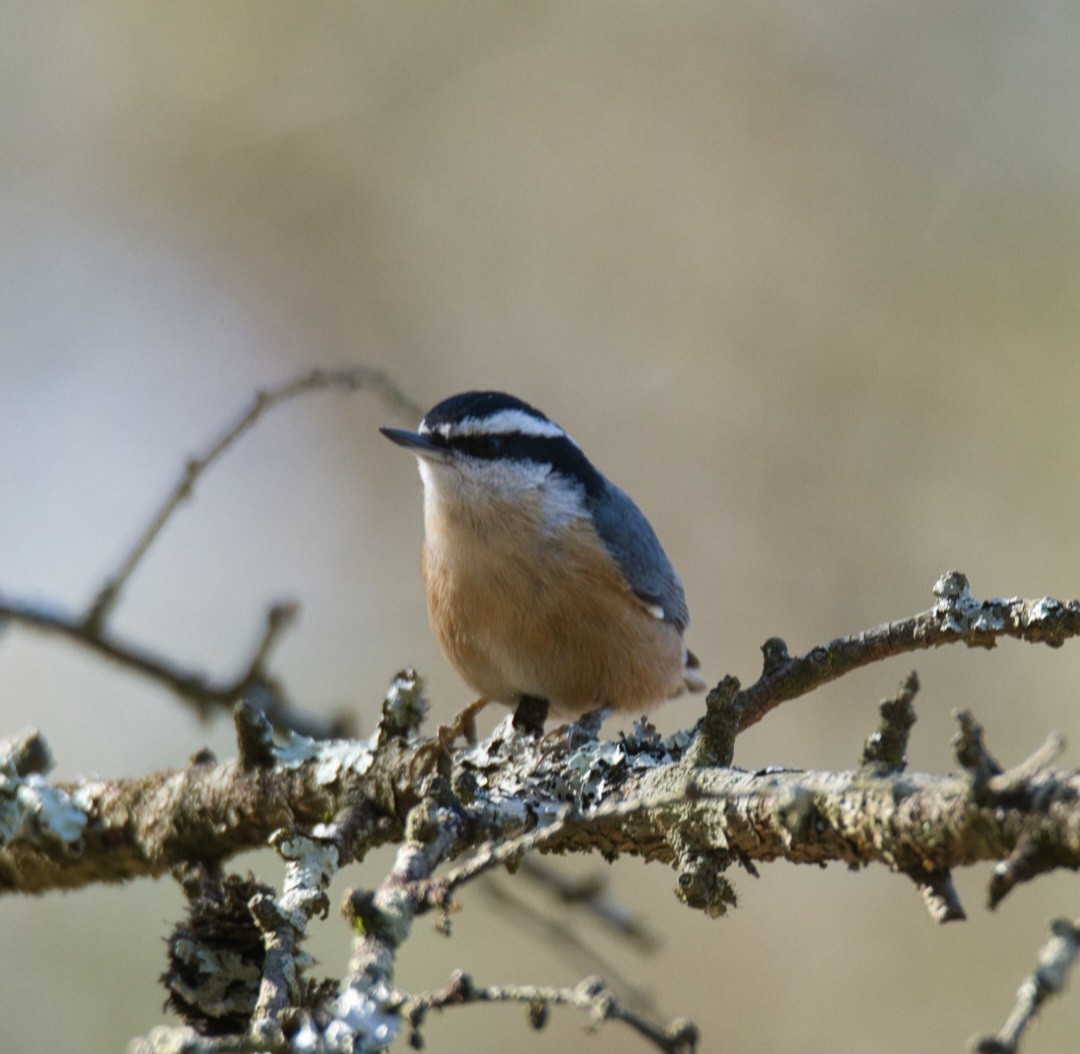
[{"x": 631, "y": 540}]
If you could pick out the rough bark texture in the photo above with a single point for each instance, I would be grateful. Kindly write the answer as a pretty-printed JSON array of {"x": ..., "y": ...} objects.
[{"x": 910, "y": 822}]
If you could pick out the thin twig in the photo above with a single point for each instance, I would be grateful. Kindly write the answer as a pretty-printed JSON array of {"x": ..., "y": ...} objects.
[
  {"x": 678, "y": 1037},
  {"x": 352, "y": 378},
  {"x": 957, "y": 617},
  {"x": 589, "y": 895},
  {"x": 564, "y": 938},
  {"x": 254, "y": 684},
  {"x": 939, "y": 894},
  {"x": 1048, "y": 979},
  {"x": 192, "y": 686},
  {"x": 885, "y": 750}
]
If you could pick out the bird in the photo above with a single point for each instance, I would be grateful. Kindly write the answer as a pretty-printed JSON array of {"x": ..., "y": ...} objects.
[{"x": 547, "y": 588}]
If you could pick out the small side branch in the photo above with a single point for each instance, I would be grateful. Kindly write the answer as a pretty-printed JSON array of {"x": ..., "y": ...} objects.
[
  {"x": 678, "y": 1037},
  {"x": 885, "y": 751},
  {"x": 193, "y": 687},
  {"x": 939, "y": 895},
  {"x": 254, "y": 684},
  {"x": 957, "y": 617},
  {"x": 590, "y": 894},
  {"x": 1048, "y": 979},
  {"x": 351, "y": 379}
]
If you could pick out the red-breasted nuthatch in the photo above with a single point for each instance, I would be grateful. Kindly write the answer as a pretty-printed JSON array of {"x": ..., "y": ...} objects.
[{"x": 544, "y": 580}]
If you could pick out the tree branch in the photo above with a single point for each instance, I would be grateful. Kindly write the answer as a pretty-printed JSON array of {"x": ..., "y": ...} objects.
[
  {"x": 350, "y": 378},
  {"x": 678, "y": 1037},
  {"x": 676, "y": 801},
  {"x": 631, "y": 799},
  {"x": 193, "y": 687},
  {"x": 253, "y": 684},
  {"x": 957, "y": 617}
]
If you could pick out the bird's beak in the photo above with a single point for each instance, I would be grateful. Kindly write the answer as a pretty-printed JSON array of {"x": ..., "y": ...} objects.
[{"x": 420, "y": 445}]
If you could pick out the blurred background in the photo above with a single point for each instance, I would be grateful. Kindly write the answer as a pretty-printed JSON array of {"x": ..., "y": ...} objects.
[{"x": 802, "y": 278}]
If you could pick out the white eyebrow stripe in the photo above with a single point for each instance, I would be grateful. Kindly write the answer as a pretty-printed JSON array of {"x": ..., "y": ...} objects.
[{"x": 505, "y": 422}]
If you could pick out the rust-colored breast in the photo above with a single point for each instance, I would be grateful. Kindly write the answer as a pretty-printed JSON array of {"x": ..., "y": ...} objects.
[{"x": 553, "y": 619}]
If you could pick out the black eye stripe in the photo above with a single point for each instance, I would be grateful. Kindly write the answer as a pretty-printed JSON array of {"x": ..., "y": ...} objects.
[
  {"x": 557, "y": 451},
  {"x": 512, "y": 445},
  {"x": 478, "y": 445}
]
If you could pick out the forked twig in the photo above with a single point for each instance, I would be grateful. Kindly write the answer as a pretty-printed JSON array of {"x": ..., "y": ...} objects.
[
  {"x": 350, "y": 378},
  {"x": 253, "y": 683}
]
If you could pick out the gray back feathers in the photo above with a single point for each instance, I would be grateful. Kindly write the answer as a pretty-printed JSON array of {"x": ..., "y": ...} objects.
[{"x": 631, "y": 540}]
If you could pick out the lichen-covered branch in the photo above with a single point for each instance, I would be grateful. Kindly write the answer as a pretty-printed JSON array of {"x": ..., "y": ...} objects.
[
  {"x": 676, "y": 801},
  {"x": 957, "y": 618},
  {"x": 613, "y": 798}
]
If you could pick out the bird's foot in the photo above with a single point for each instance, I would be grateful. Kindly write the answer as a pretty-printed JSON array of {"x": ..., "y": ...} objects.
[
  {"x": 585, "y": 729},
  {"x": 530, "y": 715}
]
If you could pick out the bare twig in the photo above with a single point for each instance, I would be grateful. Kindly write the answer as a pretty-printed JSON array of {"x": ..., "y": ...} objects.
[
  {"x": 254, "y": 737},
  {"x": 590, "y": 896},
  {"x": 26, "y": 753},
  {"x": 678, "y": 1037},
  {"x": 956, "y": 617},
  {"x": 1016, "y": 779},
  {"x": 939, "y": 895},
  {"x": 563, "y": 936},
  {"x": 192, "y": 686},
  {"x": 971, "y": 752},
  {"x": 253, "y": 683},
  {"x": 352, "y": 378},
  {"x": 1048, "y": 979}
]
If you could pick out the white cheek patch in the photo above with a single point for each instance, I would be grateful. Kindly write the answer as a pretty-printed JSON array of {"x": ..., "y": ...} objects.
[
  {"x": 474, "y": 485},
  {"x": 656, "y": 611},
  {"x": 474, "y": 482}
]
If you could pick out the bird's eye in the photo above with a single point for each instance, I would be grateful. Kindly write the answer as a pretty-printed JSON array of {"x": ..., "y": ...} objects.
[{"x": 482, "y": 446}]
